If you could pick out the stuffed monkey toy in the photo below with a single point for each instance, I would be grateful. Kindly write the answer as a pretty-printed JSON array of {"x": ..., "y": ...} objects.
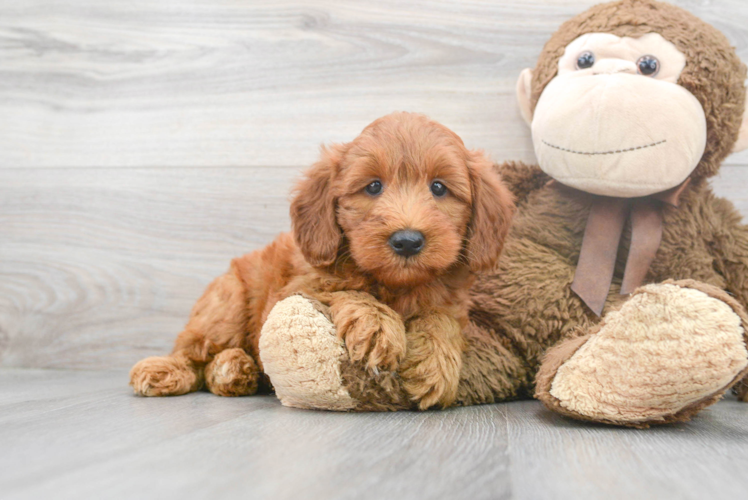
[{"x": 620, "y": 295}]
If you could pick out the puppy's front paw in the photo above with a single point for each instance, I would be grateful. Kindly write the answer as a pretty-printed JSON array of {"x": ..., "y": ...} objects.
[
  {"x": 372, "y": 332},
  {"x": 431, "y": 371},
  {"x": 433, "y": 380}
]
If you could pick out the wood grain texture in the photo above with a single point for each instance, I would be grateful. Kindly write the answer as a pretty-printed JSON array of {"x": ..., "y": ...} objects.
[
  {"x": 72, "y": 435},
  {"x": 100, "y": 267},
  {"x": 237, "y": 83},
  {"x": 104, "y": 442},
  {"x": 556, "y": 458}
]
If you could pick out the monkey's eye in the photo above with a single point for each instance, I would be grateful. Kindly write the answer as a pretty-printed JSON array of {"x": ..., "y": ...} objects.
[
  {"x": 438, "y": 189},
  {"x": 648, "y": 65},
  {"x": 585, "y": 60},
  {"x": 374, "y": 188}
]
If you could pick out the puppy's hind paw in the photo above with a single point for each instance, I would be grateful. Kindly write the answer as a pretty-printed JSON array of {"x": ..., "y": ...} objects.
[
  {"x": 232, "y": 372},
  {"x": 164, "y": 376}
]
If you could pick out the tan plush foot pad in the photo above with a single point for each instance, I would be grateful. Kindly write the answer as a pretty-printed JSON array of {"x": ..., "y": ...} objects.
[
  {"x": 301, "y": 354},
  {"x": 671, "y": 350}
]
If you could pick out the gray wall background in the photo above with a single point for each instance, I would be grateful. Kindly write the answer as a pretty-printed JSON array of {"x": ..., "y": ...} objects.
[{"x": 143, "y": 143}]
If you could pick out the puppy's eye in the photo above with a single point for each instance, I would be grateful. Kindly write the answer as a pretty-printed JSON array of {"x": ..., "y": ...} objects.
[
  {"x": 648, "y": 65},
  {"x": 374, "y": 188},
  {"x": 585, "y": 60},
  {"x": 438, "y": 189}
]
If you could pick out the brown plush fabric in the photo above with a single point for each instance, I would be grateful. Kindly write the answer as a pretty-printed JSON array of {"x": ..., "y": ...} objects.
[
  {"x": 380, "y": 392},
  {"x": 490, "y": 371},
  {"x": 713, "y": 74}
]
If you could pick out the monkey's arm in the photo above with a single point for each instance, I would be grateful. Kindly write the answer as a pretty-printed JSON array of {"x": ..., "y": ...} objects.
[
  {"x": 730, "y": 246},
  {"x": 522, "y": 179}
]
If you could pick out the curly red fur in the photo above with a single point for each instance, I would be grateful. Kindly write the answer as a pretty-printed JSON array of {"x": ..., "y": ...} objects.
[{"x": 339, "y": 254}]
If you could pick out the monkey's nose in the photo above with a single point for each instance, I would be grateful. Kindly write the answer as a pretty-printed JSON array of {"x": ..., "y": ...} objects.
[
  {"x": 407, "y": 243},
  {"x": 613, "y": 66}
]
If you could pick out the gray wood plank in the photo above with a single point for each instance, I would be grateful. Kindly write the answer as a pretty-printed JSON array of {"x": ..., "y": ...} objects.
[
  {"x": 556, "y": 458},
  {"x": 225, "y": 83},
  {"x": 31, "y": 392},
  {"x": 100, "y": 267},
  {"x": 90, "y": 437},
  {"x": 203, "y": 446}
]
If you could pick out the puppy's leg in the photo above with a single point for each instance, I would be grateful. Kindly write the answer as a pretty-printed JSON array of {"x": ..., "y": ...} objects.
[
  {"x": 232, "y": 372},
  {"x": 371, "y": 330},
  {"x": 218, "y": 321},
  {"x": 431, "y": 370}
]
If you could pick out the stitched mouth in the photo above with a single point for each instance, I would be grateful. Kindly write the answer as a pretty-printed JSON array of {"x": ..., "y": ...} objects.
[{"x": 611, "y": 152}]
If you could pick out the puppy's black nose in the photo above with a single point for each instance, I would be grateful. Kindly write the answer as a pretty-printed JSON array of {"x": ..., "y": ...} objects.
[{"x": 407, "y": 243}]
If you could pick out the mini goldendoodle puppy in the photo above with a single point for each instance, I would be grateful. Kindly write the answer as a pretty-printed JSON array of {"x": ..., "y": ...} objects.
[{"x": 388, "y": 231}]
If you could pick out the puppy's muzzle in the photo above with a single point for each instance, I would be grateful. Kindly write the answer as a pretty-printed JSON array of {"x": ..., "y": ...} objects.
[{"x": 407, "y": 243}]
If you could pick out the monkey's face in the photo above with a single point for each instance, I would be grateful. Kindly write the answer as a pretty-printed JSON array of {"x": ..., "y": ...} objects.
[{"x": 614, "y": 121}]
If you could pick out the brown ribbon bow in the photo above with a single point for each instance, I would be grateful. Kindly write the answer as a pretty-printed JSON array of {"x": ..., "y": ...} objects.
[{"x": 602, "y": 235}]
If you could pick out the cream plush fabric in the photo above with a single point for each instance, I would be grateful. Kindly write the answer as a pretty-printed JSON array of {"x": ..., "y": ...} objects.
[
  {"x": 300, "y": 351},
  {"x": 666, "y": 348}
]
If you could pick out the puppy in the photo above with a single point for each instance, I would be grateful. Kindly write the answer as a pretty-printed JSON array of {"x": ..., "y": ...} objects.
[{"x": 388, "y": 231}]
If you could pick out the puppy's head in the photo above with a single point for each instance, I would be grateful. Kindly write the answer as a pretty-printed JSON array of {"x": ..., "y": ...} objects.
[{"x": 408, "y": 200}]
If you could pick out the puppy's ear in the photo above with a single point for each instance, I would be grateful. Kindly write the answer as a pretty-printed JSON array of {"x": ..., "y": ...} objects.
[
  {"x": 493, "y": 207},
  {"x": 313, "y": 210}
]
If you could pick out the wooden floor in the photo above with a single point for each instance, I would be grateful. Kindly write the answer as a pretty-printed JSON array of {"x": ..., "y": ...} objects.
[{"x": 78, "y": 435}]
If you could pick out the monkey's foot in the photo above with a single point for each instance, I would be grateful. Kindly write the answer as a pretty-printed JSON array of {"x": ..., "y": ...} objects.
[
  {"x": 301, "y": 354},
  {"x": 671, "y": 350}
]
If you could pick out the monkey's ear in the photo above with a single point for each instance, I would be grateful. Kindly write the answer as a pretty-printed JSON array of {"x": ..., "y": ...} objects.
[
  {"x": 313, "y": 218},
  {"x": 493, "y": 208},
  {"x": 742, "y": 142},
  {"x": 524, "y": 94}
]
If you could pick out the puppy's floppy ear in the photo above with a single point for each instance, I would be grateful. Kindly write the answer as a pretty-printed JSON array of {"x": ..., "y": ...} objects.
[
  {"x": 313, "y": 210},
  {"x": 493, "y": 208}
]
